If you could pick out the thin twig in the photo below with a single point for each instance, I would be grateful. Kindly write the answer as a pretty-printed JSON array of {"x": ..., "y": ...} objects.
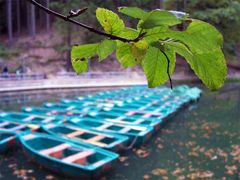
[
  {"x": 89, "y": 28},
  {"x": 76, "y": 13},
  {"x": 168, "y": 67}
]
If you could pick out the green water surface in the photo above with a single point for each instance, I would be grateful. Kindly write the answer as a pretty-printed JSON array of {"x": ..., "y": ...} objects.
[{"x": 200, "y": 142}]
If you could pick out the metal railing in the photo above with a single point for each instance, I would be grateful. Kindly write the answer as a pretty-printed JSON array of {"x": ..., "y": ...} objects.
[
  {"x": 12, "y": 76},
  {"x": 97, "y": 75}
]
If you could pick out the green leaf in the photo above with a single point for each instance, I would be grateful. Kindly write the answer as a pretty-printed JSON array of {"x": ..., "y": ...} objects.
[
  {"x": 207, "y": 59},
  {"x": 180, "y": 49},
  {"x": 105, "y": 48},
  {"x": 155, "y": 33},
  {"x": 139, "y": 49},
  {"x": 80, "y": 55},
  {"x": 80, "y": 66},
  {"x": 110, "y": 21},
  {"x": 155, "y": 66},
  {"x": 206, "y": 31},
  {"x": 159, "y": 18},
  {"x": 209, "y": 66},
  {"x": 129, "y": 33},
  {"x": 134, "y": 12},
  {"x": 199, "y": 36},
  {"x": 125, "y": 56}
]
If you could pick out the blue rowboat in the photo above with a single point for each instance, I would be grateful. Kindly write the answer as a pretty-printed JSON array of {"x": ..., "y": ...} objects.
[
  {"x": 134, "y": 118},
  {"x": 28, "y": 118},
  {"x": 76, "y": 134},
  {"x": 51, "y": 112},
  {"x": 16, "y": 127},
  {"x": 138, "y": 134},
  {"x": 76, "y": 108},
  {"x": 7, "y": 140},
  {"x": 82, "y": 161}
]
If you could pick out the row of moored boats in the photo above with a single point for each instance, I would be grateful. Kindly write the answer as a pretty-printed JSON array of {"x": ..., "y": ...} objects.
[{"x": 82, "y": 137}]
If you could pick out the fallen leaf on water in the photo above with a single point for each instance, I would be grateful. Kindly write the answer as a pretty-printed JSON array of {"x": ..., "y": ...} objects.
[
  {"x": 193, "y": 135},
  {"x": 168, "y": 131},
  {"x": 159, "y": 171},
  {"x": 177, "y": 171},
  {"x": 214, "y": 158},
  {"x": 146, "y": 176},
  {"x": 191, "y": 143},
  {"x": 20, "y": 172},
  {"x": 165, "y": 178},
  {"x": 209, "y": 153},
  {"x": 223, "y": 154},
  {"x": 236, "y": 152},
  {"x": 231, "y": 170},
  {"x": 160, "y": 146},
  {"x": 126, "y": 164},
  {"x": 50, "y": 177},
  {"x": 193, "y": 153},
  {"x": 200, "y": 174},
  {"x": 202, "y": 149},
  {"x": 12, "y": 165},
  {"x": 206, "y": 136},
  {"x": 142, "y": 153},
  {"x": 194, "y": 127},
  {"x": 30, "y": 171},
  {"x": 182, "y": 177},
  {"x": 123, "y": 158}
]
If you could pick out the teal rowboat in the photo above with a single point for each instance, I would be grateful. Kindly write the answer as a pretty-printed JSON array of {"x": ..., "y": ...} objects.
[
  {"x": 134, "y": 118},
  {"x": 16, "y": 127},
  {"x": 7, "y": 140},
  {"x": 82, "y": 161},
  {"x": 52, "y": 112},
  {"x": 28, "y": 118},
  {"x": 138, "y": 134},
  {"x": 75, "y": 134}
]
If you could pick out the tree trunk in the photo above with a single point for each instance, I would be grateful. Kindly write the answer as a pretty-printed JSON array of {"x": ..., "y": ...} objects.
[
  {"x": 9, "y": 22},
  {"x": 238, "y": 53},
  {"x": 18, "y": 17},
  {"x": 159, "y": 4},
  {"x": 184, "y": 4},
  {"x": 32, "y": 21},
  {"x": 69, "y": 41},
  {"x": 116, "y": 4},
  {"x": 47, "y": 18}
]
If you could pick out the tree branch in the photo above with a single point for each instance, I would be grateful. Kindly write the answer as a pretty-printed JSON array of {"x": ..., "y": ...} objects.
[
  {"x": 89, "y": 28},
  {"x": 168, "y": 67}
]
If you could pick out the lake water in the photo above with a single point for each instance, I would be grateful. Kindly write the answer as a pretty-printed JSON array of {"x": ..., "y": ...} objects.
[{"x": 201, "y": 141}]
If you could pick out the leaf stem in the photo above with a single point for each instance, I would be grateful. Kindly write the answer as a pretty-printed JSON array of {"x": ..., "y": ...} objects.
[
  {"x": 168, "y": 67},
  {"x": 89, "y": 28}
]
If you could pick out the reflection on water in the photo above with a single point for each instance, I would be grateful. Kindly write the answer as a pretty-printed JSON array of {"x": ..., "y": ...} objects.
[
  {"x": 201, "y": 142},
  {"x": 14, "y": 101}
]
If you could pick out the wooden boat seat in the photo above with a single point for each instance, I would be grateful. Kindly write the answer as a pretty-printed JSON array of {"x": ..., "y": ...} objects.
[
  {"x": 124, "y": 130},
  {"x": 104, "y": 126},
  {"x": 138, "y": 121},
  {"x": 147, "y": 115},
  {"x": 96, "y": 138},
  {"x": 130, "y": 113},
  {"x": 4, "y": 124},
  {"x": 29, "y": 118},
  {"x": 55, "y": 151},
  {"x": 19, "y": 127},
  {"x": 75, "y": 133},
  {"x": 101, "y": 144},
  {"x": 33, "y": 126},
  {"x": 79, "y": 158},
  {"x": 49, "y": 119}
]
